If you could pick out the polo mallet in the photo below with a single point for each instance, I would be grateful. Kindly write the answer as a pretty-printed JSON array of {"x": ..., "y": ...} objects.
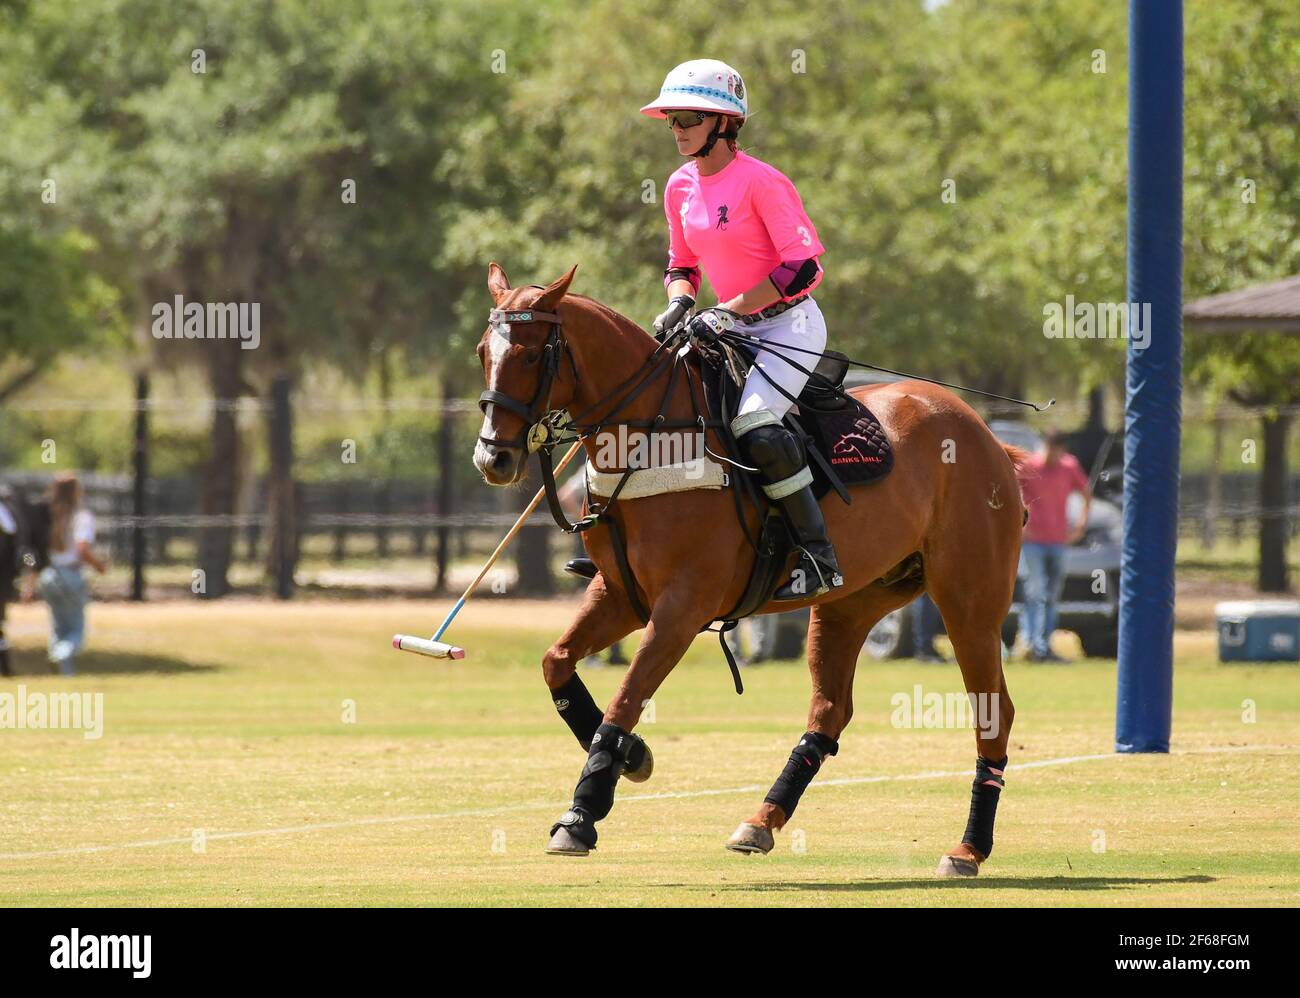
[{"x": 438, "y": 649}]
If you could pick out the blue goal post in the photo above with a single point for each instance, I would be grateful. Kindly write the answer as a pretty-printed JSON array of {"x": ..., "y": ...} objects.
[{"x": 1153, "y": 383}]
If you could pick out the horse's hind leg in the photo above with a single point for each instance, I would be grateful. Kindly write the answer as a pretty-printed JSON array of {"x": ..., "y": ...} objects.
[
  {"x": 836, "y": 633},
  {"x": 974, "y": 616}
]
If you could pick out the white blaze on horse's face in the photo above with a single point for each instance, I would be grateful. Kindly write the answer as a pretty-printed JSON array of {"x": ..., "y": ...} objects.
[{"x": 498, "y": 342}]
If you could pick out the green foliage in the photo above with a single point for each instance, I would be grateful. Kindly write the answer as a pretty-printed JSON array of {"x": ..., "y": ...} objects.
[
  {"x": 1243, "y": 129},
  {"x": 484, "y": 129}
]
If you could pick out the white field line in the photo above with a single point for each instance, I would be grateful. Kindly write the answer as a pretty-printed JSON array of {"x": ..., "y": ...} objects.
[{"x": 622, "y": 799}]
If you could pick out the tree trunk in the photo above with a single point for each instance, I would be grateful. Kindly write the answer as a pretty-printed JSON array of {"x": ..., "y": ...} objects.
[
  {"x": 446, "y": 486},
  {"x": 140, "y": 486},
  {"x": 281, "y": 492},
  {"x": 533, "y": 553},
  {"x": 1213, "y": 487},
  {"x": 1273, "y": 501},
  {"x": 221, "y": 475}
]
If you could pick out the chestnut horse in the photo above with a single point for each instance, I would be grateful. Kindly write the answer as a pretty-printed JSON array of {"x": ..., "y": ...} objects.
[{"x": 952, "y": 497}]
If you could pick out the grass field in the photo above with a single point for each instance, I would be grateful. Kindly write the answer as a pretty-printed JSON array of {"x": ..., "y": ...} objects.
[{"x": 225, "y": 726}]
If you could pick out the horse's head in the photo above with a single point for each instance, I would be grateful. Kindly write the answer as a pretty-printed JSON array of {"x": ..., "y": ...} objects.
[{"x": 520, "y": 352}]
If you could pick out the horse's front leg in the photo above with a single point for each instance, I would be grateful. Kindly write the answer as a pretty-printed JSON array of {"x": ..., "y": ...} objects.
[
  {"x": 674, "y": 622},
  {"x": 605, "y": 616}
]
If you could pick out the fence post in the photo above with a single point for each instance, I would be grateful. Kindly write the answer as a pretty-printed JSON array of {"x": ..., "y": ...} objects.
[
  {"x": 446, "y": 481},
  {"x": 140, "y": 485},
  {"x": 282, "y": 502}
]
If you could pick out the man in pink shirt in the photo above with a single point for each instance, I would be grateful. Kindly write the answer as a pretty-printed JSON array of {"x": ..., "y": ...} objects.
[{"x": 1046, "y": 483}]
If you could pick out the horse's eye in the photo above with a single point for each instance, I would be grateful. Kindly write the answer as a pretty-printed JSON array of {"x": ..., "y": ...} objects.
[{"x": 532, "y": 355}]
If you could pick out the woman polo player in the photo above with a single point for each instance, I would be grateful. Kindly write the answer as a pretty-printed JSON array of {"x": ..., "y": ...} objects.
[{"x": 743, "y": 224}]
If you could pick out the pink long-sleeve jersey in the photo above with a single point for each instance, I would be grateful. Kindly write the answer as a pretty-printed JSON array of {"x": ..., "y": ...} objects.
[{"x": 738, "y": 225}]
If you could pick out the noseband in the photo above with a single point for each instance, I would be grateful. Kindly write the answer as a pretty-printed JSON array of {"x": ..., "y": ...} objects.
[{"x": 536, "y": 429}]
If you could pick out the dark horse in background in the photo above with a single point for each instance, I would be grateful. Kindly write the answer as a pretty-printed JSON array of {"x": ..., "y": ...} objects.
[{"x": 952, "y": 498}]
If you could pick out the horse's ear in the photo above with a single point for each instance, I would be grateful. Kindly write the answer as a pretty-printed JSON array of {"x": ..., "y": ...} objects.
[
  {"x": 555, "y": 292},
  {"x": 498, "y": 283}
]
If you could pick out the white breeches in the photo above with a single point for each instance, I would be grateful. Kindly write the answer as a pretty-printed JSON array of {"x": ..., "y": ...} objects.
[{"x": 802, "y": 326}]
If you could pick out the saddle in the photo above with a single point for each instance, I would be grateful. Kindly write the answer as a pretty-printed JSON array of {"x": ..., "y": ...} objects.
[
  {"x": 846, "y": 447},
  {"x": 845, "y": 443}
]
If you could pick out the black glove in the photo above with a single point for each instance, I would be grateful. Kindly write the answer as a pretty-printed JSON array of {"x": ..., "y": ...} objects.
[
  {"x": 708, "y": 324},
  {"x": 671, "y": 319}
]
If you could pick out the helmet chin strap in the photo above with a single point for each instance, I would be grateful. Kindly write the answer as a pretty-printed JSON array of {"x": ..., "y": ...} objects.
[{"x": 705, "y": 149}]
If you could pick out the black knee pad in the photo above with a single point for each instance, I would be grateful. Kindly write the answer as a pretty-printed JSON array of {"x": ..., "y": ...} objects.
[
  {"x": 985, "y": 793},
  {"x": 612, "y": 751},
  {"x": 800, "y": 768},
  {"x": 776, "y": 451}
]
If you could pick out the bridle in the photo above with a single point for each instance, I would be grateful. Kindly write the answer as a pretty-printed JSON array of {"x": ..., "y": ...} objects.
[
  {"x": 537, "y": 413},
  {"x": 544, "y": 426}
]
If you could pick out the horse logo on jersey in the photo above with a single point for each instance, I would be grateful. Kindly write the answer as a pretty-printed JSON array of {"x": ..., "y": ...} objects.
[{"x": 722, "y": 216}]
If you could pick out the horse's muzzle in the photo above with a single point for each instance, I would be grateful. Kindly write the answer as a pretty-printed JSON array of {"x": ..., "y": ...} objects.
[{"x": 498, "y": 465}]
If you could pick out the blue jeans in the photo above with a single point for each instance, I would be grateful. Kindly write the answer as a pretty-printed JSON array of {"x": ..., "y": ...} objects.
[
  {"x": 64, "y": 590},
  {"x": 1046, "y": 565},
  {"x": 925, "y": 624}
]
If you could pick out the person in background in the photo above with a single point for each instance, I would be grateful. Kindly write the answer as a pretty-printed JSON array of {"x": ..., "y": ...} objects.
[
  {"x": 11, "y": 545},
  {"x": 62, "y": 537},
  {"x": 925, "y": 628},
  {"x": 1046, "y": 482}
]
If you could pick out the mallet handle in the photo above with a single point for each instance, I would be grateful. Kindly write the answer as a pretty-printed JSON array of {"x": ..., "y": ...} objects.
[{"x": 487, "y": 567}]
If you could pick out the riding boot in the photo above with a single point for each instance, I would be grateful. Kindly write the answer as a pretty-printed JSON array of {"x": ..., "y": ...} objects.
[
  {"x": 816, "y": 572},
  {"x": 787, "y": 480}
]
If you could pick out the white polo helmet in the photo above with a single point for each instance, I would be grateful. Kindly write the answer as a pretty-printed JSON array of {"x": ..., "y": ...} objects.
[{"x": 701, "y": 85}]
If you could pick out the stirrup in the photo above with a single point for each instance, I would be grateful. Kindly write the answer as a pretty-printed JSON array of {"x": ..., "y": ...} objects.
[{"x": 818, "y": 578}]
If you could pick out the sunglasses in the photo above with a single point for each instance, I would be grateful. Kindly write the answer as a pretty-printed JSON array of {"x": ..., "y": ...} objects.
[{"x": 685, "y": 119}]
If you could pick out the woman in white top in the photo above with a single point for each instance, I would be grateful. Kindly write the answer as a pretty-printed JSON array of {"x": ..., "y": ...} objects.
[{"x": 72, "y": 532}]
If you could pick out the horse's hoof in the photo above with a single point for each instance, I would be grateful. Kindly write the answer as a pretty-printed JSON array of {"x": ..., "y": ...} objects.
[
  {"x": 750, "y": 839},
  {"x": 643, "y": 771},
  {"x": 563, "y": 843},
  {"x": 957, "y": 866}
]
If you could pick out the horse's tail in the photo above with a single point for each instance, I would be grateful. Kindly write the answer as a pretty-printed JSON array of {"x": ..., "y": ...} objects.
[
  {"x": 1019, "y": 459},
  {"x": 1019, "y": 456}
]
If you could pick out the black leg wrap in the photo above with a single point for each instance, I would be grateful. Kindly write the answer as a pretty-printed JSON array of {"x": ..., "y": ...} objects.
[
  {"x": 984, "y": 795},
  {"x": 612, "y": 751},
  {"x": 578, "y": 710},
  {"x": 800, "y": 768}
]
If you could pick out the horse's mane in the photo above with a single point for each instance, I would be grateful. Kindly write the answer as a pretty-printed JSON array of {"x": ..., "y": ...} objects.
[{"x": 617, "y": 318}]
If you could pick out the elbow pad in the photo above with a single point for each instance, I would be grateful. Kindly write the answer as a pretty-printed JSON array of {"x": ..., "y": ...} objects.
[
  {"x": 793, "y": 276},
  {"x": 691, "y": 274}
]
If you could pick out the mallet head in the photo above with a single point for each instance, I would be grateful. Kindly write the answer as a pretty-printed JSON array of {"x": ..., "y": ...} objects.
[{"x": 426, "y": 646}]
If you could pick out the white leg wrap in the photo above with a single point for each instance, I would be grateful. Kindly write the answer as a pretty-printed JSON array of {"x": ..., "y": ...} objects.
[
  {"x": 789, "y": 486},
  {"x": 753, "y": 420}
]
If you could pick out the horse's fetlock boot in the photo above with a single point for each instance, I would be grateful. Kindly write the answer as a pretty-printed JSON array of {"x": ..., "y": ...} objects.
[
  {"x": 579, "y": 824},
  {"x": 611, "y": 747},
  {"x": 626, "y": 750}
]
